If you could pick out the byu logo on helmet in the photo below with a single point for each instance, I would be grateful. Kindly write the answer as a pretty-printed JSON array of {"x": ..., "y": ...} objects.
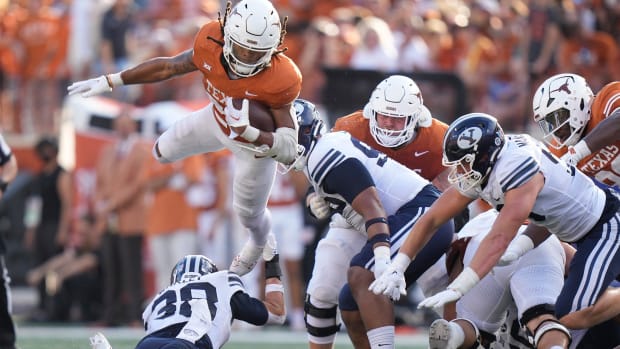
[{"x": 469, "y": 138}]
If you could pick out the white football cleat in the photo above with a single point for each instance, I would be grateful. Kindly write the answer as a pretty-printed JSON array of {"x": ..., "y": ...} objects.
[
  {"x": 98, "y": 341},
  {"x": 245, "y": 261},
  {"x": 441, "y": 336}
]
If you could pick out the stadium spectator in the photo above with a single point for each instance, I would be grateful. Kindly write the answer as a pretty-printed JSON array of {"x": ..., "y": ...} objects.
[
  {"x": 8, "y": 171},
  {"x": 377, "y": 48},
  {"x": 48, "y": 234},
  {"x": 205, "y": 301},
  {"x": 288, "y": 226},
  {"x": 252, "y": 67},
  {"x": 211, "y": 197},
  {"x": 171, "y": 223},
  {"x": 120, "y": 208}
]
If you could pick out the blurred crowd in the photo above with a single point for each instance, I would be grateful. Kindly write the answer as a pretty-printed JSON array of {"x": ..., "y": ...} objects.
[{"x": 500, "y": 50}]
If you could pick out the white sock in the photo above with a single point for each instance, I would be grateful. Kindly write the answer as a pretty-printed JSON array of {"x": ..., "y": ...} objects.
[
  {"x": 381, "y": 338},
  {"x": 457, "y": 334}
]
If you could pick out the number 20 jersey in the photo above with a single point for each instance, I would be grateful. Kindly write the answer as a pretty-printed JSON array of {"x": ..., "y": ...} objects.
[{"x": 171, "y": 305}]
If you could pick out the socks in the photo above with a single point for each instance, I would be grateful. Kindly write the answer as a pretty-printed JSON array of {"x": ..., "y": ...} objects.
[{"x": 381, "y": 338}]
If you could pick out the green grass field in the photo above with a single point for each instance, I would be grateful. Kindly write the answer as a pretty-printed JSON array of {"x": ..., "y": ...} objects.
[{"x": 52, "y": 337}]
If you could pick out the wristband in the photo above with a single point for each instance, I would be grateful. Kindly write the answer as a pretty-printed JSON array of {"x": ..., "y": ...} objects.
[
  {"x": 274, "y": 288},
  {"x": 272, "y": 268},
  {"x": 381, "y": 237},
  {"x": 114, "y": 80},
  {"x": 3, "y": 185},
  {"x": 250, "y": 133},
  {"x": 580, "y": 150},
  {"x": 376, "y": 220}
]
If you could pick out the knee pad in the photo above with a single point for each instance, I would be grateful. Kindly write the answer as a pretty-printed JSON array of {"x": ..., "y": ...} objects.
[
  {"x": 536, "y": 311},
  {"x": 544, "y": 327},
  {"x": 321, "y": 321}
]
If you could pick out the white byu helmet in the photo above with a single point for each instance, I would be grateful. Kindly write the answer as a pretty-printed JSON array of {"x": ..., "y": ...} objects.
[
  {"x": 398, "y": 97},
  {"x": 562, "y": 99},
  {"x": 252, "y": 25}
]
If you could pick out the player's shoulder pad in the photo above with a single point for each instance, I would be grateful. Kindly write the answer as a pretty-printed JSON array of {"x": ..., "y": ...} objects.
[
  {"x": 517, "y": 163},
  {"x": 350, "y": 122}
]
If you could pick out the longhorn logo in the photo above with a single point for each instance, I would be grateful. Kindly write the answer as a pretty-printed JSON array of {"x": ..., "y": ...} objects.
[{"x": 564, "y": 87}]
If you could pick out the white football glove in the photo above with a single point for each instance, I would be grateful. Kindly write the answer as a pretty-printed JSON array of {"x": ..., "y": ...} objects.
[
  {"x": 517, "y": 248},
  {"x": 318, "y": 206},
  {"x": 441, "y": 298},
  {"x": 284, "y": 148},
  {"x": 576, "y": 153},
  {"x": 466, "y": 280},
  {"x": 91, "y": 87},
  {"x": 382, "y": 260},
  {"x": 237, "y": 117},
  {"x": 392, "y": 282}
]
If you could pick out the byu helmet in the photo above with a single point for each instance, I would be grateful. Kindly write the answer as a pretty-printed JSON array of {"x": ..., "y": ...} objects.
[
  {"x": 191, "y": 267},
  {"x": 253, "y": 25},
  {"x": 311, "y": 127},
  {"x": 561, "y": 108},
  {"x": 471, "y": 146}
]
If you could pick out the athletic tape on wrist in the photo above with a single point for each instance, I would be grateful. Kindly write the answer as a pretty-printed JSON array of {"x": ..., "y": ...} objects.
[{"x": 274, "y": 288}]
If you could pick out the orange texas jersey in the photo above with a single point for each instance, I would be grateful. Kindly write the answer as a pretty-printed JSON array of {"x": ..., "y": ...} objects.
[
  {"x": 423, "y": 155},
  {"x": 275, "y": 86},
  {"x": 604, "y": 164}
]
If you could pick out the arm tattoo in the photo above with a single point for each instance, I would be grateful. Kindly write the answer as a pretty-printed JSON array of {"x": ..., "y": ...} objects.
[{"x": 182, "y": 63}]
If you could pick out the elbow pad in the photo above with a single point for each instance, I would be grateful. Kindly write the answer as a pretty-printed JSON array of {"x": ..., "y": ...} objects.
[{"x": 284, "y": 148}]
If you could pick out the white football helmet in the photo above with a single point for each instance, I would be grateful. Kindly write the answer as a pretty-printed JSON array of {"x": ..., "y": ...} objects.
[
  {"x": 563, "y": 99},
  {"x": 252, "y": 25},
  {"x": 398, "y": 97}
]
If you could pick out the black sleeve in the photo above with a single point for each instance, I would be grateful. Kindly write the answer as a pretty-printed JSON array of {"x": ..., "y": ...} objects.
[
  {"x": 348, "y": 179},
  {"x": 248, "y": 309}
]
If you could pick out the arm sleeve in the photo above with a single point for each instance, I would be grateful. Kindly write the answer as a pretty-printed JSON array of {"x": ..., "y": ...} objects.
[
  {"x": 248, "y": 309},
  {"x": 348, "y": 179}
]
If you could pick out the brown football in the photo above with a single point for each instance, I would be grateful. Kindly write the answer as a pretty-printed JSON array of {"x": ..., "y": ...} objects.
[{"x": 260, "y": 114}]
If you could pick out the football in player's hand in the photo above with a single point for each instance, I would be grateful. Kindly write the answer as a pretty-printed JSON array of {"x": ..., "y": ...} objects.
[{"x": 259, "y": 113}]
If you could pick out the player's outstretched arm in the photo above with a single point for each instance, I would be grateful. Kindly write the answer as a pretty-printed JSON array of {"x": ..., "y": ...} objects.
[{"x": 152, "y": 70}]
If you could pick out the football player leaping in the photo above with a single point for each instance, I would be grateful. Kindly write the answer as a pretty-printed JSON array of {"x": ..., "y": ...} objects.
[{"x": 238, "y": 58}]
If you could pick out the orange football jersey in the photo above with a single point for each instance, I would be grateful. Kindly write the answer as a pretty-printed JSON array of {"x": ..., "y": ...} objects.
[
  {"x": 603, "y": 164},
  {"x": 275, "y": 86},
  {"x": 422, "y": 155}
]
